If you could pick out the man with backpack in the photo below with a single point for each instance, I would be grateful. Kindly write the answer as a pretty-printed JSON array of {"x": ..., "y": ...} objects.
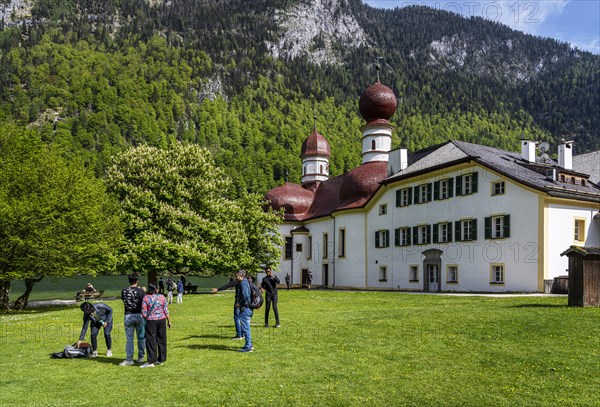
[
  {"x": 133, "y": 297},
  {"x": 233, "y": 282},
  {"x": 243, "y": 301}
]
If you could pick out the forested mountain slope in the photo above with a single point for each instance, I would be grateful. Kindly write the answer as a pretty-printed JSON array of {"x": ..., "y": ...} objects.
[{"x": 245, "y": 78}]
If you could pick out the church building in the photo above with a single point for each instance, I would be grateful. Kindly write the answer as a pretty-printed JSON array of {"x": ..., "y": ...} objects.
[{"x": 452, "y": 217}]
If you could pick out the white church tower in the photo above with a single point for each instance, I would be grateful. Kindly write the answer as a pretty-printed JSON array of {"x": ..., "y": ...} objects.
[{"x": 377, "y": 104}]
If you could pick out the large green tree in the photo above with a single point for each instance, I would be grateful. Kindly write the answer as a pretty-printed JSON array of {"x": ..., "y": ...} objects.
[
  {"x": 56, "y": 218},
  {"x": 181, "y": 214}
]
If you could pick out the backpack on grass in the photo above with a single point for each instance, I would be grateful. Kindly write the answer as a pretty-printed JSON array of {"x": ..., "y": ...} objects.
[
  {"x": 73, "y": 351},
  {"x": 256, "y": 298}
]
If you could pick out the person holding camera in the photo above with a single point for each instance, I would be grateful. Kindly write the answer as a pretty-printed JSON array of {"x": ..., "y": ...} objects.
[
  {"x": 269, "y": 285},
  {"x": 156, "y": 313},
  {"x": 97, "y": 316}
]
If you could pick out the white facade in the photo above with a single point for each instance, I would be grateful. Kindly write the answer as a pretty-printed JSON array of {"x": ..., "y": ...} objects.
[{"x": 340, "y": 249}]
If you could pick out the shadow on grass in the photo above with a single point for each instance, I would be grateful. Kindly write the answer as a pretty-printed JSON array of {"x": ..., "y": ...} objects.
[
  {"x": 213, "y": 347},
  {"x": 539, "y": 306},
  {"x": 208, "y": 337},
  {"x": 106, "y": 360}
]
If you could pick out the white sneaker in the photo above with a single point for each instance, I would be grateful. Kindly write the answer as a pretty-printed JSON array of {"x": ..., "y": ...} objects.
[
  {"x": 140, "y": 360},
  {"x": 94, "y": 354},
  {"x": 147, "y": 365},
  {"x": 109, "y": 353},
  {"x": 126, "y": 363}
]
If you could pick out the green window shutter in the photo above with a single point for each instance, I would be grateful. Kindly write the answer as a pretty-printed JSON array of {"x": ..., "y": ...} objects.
[
  {"x": 435, "y": 233},
  {"x": 474, "y": 229},
  {"x": 436, "y": 190},
  {"x": 429, "y": 190},
  {"x": 457, "y": 231},
  {"x": 428, "y": 234},
  {"x": 416, "y": 194},
  {"x": 506, "y": 230},
  {"x": 475, "y": 176},
  {"x": 377, "y": 239},
  {"x": 450, "y": 187},
  {"x": 398, "y": 197},
  {"x": 387, "y": 238},
  {"x": 488, "y": 227},
  {"x": 449, "y": 231},
  {"x": 410, "y": 197},
  {"x": 415, "y": 235},
  {"x": 459, "y": 185},
  {"x": 397, "y": 237}
]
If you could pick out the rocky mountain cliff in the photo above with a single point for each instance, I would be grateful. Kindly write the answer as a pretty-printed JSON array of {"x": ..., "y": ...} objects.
[{"x": 455, "y": 77}]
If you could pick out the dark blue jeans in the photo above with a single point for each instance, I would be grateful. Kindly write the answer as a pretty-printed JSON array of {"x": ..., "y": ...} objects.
[
  {"x": 236, "y": 321},
  {"x": 107, "y": 336}
]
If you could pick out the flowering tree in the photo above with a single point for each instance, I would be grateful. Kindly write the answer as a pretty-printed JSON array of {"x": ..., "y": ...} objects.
[{"x": 180, "y": 214}]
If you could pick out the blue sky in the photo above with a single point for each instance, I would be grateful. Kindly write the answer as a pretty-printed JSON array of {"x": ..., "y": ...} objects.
[{"x": 574, "y": 21}]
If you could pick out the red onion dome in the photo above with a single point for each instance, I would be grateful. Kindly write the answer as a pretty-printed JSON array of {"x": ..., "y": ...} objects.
[
  {"x": 363, "y": 181},
  {"x": 294, "y": 199},
  {"x": 377, "y": 102},
  {"x": 315, "y": 144}
]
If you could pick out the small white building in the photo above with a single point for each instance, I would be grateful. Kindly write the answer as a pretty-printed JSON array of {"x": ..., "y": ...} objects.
[{"x": 453, "y": 217}]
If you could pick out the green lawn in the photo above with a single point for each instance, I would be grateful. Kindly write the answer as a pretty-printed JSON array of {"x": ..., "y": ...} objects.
[{"x": 334, "y": 348}]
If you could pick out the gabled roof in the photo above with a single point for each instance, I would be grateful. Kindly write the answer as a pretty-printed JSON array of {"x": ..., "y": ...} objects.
[
  {"x": 589, "y": 164},
  {"x": 507, "y": 163}
]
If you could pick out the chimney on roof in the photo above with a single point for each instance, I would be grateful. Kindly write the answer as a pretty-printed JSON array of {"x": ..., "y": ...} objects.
[
  {"x": 565, "y": 155},
  {"x": 398, "y": 160},
  {"x": 528, "y": 150}
]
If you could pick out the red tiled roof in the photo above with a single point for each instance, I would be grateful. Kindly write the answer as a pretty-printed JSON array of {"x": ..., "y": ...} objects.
[
  {"x": 294, "y": 199},
  {"x": 315, "y": 144}
]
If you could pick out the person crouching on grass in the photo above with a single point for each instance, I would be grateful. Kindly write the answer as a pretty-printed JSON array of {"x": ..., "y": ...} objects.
[
  {"x": 243, "y": 299},
  {"x": 97, "y": 316},
  {"x": 155, "y": 311}
]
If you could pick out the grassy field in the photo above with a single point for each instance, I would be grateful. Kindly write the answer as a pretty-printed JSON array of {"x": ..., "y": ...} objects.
[
  {"x": 334, "y": 348},
  {"x": 57, "y": 288}
]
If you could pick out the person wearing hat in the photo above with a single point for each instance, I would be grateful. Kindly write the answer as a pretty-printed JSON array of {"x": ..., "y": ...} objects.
[
  {"x": 156, "y": 313},
  {"x": 132, "y": 297}
]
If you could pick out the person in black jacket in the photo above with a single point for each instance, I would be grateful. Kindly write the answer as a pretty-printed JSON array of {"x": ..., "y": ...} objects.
[
  {"x": 233, "y": 282},
  {"x": 97, "y": 316},
  {"x": 269, "y": 285}
]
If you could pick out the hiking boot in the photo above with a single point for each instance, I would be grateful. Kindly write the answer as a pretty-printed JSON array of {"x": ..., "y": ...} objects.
[
  {"x": 126, "y": 363},
  {"x": 94, "y": 354},
  {"x": 145, "y": 365},
  {"x": 109, "y": 353}
]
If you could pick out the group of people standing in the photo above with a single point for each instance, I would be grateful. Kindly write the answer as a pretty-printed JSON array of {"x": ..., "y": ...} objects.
[{"x": 146, "y": 317}]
